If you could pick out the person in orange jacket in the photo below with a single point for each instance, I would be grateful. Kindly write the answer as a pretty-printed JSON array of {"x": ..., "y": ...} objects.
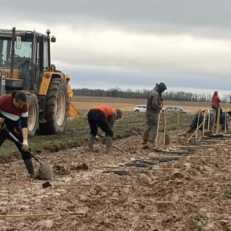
[
  {"x": 102, "y": 116},
  {"x": 69, "y": 91}
]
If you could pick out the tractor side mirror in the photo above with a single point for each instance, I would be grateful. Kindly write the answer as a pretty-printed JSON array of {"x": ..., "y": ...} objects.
[{"x": 53, "y": 39}]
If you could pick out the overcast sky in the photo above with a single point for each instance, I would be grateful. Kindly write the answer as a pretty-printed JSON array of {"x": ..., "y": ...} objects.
[{"x": 133, "y": 44}]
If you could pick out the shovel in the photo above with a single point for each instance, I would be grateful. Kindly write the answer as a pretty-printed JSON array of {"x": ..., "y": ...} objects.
[{"x": 45, "y": 171}]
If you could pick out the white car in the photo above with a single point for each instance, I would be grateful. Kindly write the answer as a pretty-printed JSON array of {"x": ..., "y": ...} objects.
[
  {"x": 176, "y": 109},
  {"x": 140, "y": 108}
]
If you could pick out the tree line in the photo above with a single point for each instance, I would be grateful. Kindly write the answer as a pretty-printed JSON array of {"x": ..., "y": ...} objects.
[{"x": 143, "y": 94}]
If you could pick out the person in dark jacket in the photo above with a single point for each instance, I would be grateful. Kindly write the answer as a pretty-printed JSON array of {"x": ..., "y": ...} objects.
[
  {"x": 102, "y": 116},
  {"x": 200, "y": 116},
  {"x": 154, "y": 106},
  {"x": 13, "y": 108}
]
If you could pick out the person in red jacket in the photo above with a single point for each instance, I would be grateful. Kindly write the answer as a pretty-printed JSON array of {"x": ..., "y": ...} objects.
[
  {"x": 215, "y": 100},
  {"x": 13, "y": 108},
  {"x": 216, "y": 103},
  {"x": 102, "y": 116}
]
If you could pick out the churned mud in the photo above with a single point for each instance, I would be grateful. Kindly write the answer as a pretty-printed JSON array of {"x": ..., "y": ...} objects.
[{"x": 181, "y": 188}]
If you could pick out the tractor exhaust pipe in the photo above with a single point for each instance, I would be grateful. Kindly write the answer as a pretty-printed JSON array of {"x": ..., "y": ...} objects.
[{"x": 12, "y": 53}]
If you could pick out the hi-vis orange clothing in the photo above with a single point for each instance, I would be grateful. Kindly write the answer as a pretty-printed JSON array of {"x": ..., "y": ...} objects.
[{"x": 107, "y": 110}]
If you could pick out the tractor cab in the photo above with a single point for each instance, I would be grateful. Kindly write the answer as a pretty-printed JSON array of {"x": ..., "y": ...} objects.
[{"x": 22, "y": 61}]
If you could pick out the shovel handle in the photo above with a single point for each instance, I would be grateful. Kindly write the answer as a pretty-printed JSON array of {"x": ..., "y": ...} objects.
[{"x": 12, "y": 136}]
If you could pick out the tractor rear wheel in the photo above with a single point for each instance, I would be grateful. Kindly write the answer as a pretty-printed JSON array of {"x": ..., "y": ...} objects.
[
  {"x": 56, "y": 108},
  {"x": 33, "y": 114}
]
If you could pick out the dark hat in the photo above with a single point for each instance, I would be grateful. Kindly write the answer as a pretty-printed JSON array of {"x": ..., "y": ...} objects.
[
  {"x": 119, "y": 113},
  {"x": 162, "y": 87}
]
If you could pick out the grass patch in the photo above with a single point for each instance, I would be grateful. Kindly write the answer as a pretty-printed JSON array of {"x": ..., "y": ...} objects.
[
  {"x": 77, "y": 131},
  {"x": 229, "y": 195},
  {"x": 178, "y": 166},
  {"x": 199, "y": 223}
]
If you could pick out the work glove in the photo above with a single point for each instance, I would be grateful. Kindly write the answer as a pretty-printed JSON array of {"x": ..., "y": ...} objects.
[
  {"x": 162, "y": 109},
  {"x": 25, "y": 146},
  {"x": 1, "y": 120}
]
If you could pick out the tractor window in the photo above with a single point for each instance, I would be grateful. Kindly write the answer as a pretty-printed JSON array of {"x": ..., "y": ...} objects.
[
  {"x": 24, "y": 50},
  {"x": 45, "y": 55},
  {"x": 5, "y": 45}
]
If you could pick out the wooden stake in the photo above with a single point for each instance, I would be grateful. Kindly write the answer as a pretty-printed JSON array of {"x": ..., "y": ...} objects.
[
  {"x": 214, "y": 119},
  {"x": 202, "y": 145},
  {"x": 117, "y": 148},
  {"x": 198, "y": 119},
  {"x": 218, "y": 120},
  {"x": 203, "y": 131},
  {"x": 164, "y": 127},
  {"x": 178, "y": 122},
  {"x": 157, "y": 131},
  {"x": 120, "y": 186},
  {"x": 28, "y": 215},
  {"x": 194, "y": 133},
  {"x": 209, "y": 122}
]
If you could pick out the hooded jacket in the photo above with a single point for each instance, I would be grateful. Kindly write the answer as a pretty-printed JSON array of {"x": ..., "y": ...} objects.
[
  {"x": 215, "y": 100},
  {"x": 154, "y": 103}
]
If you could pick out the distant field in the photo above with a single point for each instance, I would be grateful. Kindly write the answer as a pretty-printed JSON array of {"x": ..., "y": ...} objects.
[{"x": 86, "y": 102}]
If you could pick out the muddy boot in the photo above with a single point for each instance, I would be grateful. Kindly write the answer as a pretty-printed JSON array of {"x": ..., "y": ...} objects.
[
  {"x": 151, "y": 145},
  {"x": 30, "y": 168},
  {"x": 108, "y": 144},
  {"x": 144, "y": 142},
  {"x": 90, "y": 141}
]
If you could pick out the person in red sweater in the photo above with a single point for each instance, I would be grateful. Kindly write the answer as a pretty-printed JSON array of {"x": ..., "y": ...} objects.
[
  {"x": 102, "y": 116},
  {"x": 13, "y": 108}
]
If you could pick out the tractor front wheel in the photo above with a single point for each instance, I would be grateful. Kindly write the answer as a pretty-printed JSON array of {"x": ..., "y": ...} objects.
[
  {"x": 56, "y": 108},
  {"x": 33, "y": 114}
]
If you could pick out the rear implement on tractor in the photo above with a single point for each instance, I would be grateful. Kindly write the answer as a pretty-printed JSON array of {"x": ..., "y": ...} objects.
[{"x": 25, "y": 64}]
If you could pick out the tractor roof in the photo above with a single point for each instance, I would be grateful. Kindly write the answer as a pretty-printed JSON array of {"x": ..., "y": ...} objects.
[{"x": 19, "y": 32}]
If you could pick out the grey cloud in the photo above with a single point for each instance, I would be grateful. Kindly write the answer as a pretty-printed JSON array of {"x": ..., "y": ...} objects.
[{"x": 205, "y": 13}]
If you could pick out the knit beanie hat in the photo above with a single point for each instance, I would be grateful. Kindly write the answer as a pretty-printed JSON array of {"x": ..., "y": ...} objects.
[{"x": 119, "y": 113}]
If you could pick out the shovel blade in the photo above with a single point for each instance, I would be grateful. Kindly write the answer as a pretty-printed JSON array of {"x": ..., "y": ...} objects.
[{"x": 45, "y": 172}]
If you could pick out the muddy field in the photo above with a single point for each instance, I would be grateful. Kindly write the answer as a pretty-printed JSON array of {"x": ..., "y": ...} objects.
[{"x": 183, "y": 187}]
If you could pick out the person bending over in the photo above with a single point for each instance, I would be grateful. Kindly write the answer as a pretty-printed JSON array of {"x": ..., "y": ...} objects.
[{"x": 102, "y": 116}]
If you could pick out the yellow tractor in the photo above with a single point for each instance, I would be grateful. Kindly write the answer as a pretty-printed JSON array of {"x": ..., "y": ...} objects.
[{"x": 25, "y": 64}]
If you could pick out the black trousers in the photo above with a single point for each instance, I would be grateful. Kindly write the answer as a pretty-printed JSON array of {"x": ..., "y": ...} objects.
[
  {"x": 4, "y": 135},
  {"x": 97, "y": 118}
]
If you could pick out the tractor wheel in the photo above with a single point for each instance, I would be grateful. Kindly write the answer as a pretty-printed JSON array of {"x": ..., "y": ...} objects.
[
  {"x": 33, "y": 114},
  {"x": 56, "y": 109}
]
